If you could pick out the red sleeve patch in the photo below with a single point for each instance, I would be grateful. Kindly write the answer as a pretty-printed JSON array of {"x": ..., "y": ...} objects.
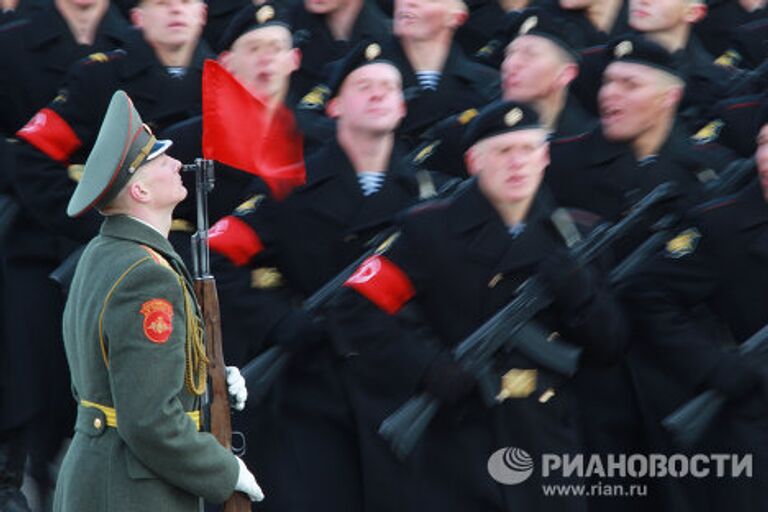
[
  {"x": 158, "y": 320},
  {"x": 382, "y": 282},
  {"x": 51, "y": 134},
  {"x": 234, "y": 239}
]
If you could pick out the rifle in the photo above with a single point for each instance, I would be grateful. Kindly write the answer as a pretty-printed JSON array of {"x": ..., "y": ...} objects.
[
  {"x": 688, "y": 423},
  {"x": 748, "y": 82},
  {"x": 65, "y": 272},
  {"x": 205, "y": 290},
  {"x": 508, "y": 328},
  {"x": 263, "y": 371},
  {"x": 731, "y": 179}
]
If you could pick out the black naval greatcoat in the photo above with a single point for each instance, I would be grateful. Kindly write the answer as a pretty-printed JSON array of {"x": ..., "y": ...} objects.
[
  {"x": 453, "y": 266},
  {"x": 718, "y": 260},
  {"x": 36, "y": 53},
  {"x": 308, "y": 238},
  {"x": 591, "y": 173}
]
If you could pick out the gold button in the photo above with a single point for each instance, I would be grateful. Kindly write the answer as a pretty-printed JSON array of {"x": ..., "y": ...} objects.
[
  {"x": 495, "y": 280},
  {"x": 97, "y": 423}
]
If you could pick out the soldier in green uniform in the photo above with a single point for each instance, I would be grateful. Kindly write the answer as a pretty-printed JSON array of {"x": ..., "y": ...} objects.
[{"x": 134, "y": 345}]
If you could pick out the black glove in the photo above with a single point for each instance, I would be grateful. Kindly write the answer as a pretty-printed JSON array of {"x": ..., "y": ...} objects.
[
  {"x": 298, "y": 331},
  {"x": 571, "y": 285},
  {"x": 735, "y": 376},
  {"x": 447, "y": 381}
]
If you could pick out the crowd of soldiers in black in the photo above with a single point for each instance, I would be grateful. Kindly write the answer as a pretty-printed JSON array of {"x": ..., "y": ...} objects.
[{"x": 429, "y": 121}]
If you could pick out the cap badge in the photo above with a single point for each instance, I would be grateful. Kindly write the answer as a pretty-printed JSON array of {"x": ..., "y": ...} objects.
[
  {"x": 265, "y": 14},
  {"x": 513, "y": 117},
  {"x": 528, "y": 25},
  {"x": 622, "y": 49},
  {"x": 372, "y": 51}
]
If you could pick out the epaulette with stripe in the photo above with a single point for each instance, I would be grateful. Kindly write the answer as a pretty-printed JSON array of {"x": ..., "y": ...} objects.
[
  {"x": 14, "y": 25},
  {"x": 743, "y": 102},
  {"x": 592, "y": 50},
  {"x": 428, "y": 206},
  {"x": 715, "y": 204},
  {"x": 570, "y": 138}
]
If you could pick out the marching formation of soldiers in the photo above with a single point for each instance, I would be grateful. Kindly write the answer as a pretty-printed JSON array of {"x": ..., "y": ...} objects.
[{"x": 439, "y": 229}]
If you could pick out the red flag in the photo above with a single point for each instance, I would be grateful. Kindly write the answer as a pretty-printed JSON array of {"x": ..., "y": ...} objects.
[{"x": 238, "y": 131}]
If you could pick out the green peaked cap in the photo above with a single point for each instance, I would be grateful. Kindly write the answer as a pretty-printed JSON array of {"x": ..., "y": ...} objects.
[{"x": 124, "y": 143}]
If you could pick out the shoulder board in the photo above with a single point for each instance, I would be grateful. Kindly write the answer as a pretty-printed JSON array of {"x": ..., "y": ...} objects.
[
  {"x": 489, "y": 49},
  {"x": 729, "y": 59},
  {"x": 424, "y": 152},
  {"x": 683, "y": 243},
  {"x": 316, "y": 98},
  {"x": 466, "y": 116},
  {"x": 708, "y": 133},
  {"x": 157, "y": 257},
  {"x": 250, "y": 204},
  {"x": 103, "y": 57}
]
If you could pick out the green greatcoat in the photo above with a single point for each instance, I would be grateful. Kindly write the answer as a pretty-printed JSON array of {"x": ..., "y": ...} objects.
[{"x": 126, "y": 285}]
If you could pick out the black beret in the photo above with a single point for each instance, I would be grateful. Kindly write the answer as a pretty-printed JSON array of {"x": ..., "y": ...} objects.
[
  {"x": 497, "y": 118},
  {"x": 252, "y": 17},
  {"x": 640, "y": 50},
  {"x": 363, "y": 54},
  {"x": 536, "y": 22}
]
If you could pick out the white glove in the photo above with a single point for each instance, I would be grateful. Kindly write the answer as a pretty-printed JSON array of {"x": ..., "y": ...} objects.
[
  {"x": 238, "y": 393},
  {"x": 246, "y": 483}
]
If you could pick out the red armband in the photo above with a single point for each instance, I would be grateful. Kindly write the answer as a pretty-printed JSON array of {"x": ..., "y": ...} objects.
[
  {"x": 383, "y": 283},
  {"x": 51, "y": 134},
  {"x": 234, "y": 239}
]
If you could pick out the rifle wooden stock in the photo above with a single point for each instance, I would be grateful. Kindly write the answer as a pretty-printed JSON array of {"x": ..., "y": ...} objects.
[{"x": 221, "y": 426}]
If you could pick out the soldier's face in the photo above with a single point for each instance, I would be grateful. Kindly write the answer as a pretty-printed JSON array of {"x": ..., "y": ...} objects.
[
  {"x": 576, "y": 4},
  {"x": 426, "y": 20},
  {"x": 83, "y": 5},
  {"x": 631, "y": 101},
  {"x": 325, "y": 6},
  {"x": 161, "y": 177},
  {"x": 263, "y": 60},
  {"x": 170, "y": 23},
  {"x": 761, "y": 156},
  {"x": 370, "y": 100},
  {"x": 662, "y": 15},
  {"x": 509, "y": 167},
  {"x": 533, "y": 69}
]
